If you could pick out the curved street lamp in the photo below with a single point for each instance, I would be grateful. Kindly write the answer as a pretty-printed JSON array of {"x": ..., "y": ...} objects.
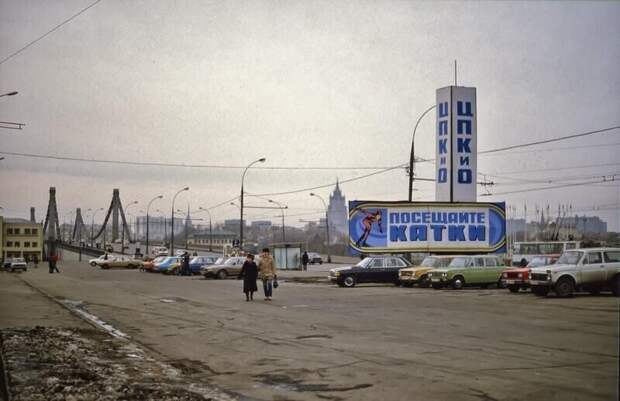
[
  {"x": 147, "y": 221},
  {"x": 210, "y": 228},
  {"x": 412, "y": 155},
  {"x": 282, "y": 207},
  {"x": 261, "y": 160},
  {"x": 172, "y": 222},
  {"x": 329, "y": 256}
]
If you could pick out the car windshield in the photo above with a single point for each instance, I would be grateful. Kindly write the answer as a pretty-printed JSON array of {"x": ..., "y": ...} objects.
[
  {"x": 538, "y": 261},
  {"x": 365, "y": 262},
  {"x": 459, "y": 262},
  {"x": 429, "y": 262},
  {"x": 198, "y": 259},
  {"x": 569, "y": 258},
  {"x": 230, "y": 261},
  {"x": 219, "y": 261},
  {"x": 169, "y": 259},
  {"x": 18, "y": 260},
  {"x": 159, "y": 259}
]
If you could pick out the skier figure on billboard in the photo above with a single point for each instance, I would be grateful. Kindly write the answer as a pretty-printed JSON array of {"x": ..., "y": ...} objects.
[{"x": 367, "y": 222}]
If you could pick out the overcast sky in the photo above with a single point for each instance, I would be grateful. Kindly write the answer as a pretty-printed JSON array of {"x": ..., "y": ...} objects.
[{"x": 302, "y": 83}]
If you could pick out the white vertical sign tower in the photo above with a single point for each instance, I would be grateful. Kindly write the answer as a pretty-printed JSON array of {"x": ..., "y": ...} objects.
[{"x": 456, "y": 152}]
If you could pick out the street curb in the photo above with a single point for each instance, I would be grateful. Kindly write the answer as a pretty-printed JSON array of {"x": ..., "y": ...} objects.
[{"x": 5, "y": 393}]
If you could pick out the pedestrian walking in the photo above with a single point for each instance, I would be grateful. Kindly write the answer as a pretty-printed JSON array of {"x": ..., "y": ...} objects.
[
  {"x": 268, "y": 273},
  {"x": 35, "y": 260},
  {"x": 186, "y": 264},
  {"x": 249, "y": 274},
  {"x": 304, "y": 260}
]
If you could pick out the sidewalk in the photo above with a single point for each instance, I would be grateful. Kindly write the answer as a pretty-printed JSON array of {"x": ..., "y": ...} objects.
[
  {"x": 48, "y": 354},
  {"x": 23, "y": 306}
]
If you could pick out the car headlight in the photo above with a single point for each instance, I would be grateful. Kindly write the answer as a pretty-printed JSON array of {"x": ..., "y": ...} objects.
[
  {"x": 505, "y": 275},
  {"x": 337, "y": 274},
  {"x": 444, "y": 274}
]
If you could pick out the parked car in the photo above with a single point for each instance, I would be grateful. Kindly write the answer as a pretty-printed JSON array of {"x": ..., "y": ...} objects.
[
  {"x": 230, "y": 268},
  {"x": 591, "y": 270},
  {"x": 477, "y": 270},
  {"x": 314, "y": 258},
  {"x": 15, "y": 264},
  {"x": 120, "y": 261},
  {"x": 373, "y": 269},
  {"x": 167, "y": 263},
  {"x": 199, "y": 261},
  {"x": 180, "y": 252},
  {"x": 149, "y": 266},
  {"x": 95, "y": 262},
  {"x": 419, "y": 274},
  {"x": 159, "y": 251},
  {"x": 519, "y": 278}
]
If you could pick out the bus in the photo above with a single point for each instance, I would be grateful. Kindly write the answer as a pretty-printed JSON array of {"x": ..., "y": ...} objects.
[{"x": 528, "y": 250}]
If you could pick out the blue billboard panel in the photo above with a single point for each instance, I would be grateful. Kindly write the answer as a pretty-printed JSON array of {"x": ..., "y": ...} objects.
[{"x": 435, "y": 227}]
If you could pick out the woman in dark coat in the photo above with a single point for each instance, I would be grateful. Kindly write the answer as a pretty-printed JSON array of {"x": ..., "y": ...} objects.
[{"x": 249, "y": 274}]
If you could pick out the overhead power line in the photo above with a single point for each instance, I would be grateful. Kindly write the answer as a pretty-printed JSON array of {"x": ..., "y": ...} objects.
[
  {"x": 383, "y": 168},
  {"x": 15, "y": 53},
  {"x": 562, "y": 138},
  {"x": 576, "y": 184}
]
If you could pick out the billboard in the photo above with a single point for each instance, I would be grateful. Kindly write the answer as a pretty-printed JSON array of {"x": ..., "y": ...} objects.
[
  {"x": 456, "y": 151},
  {"x": 434, "y": 227}
]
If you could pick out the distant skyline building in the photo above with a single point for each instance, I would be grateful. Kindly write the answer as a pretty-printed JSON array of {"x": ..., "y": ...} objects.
[{"x": 337, "y": 212}]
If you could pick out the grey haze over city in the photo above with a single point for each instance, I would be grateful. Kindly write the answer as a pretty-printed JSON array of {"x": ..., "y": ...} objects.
[{"x": 330, "y": 85}]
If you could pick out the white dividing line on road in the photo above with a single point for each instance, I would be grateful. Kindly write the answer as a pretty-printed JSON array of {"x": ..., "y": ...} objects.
[{"x": 77, "y": 307}]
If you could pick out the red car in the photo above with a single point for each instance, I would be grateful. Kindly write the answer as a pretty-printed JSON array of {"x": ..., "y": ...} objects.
[{"x": 519, "y": 277}]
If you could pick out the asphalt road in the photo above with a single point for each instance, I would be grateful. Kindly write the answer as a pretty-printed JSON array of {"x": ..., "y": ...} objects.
[{"x": 372, "y": 342}]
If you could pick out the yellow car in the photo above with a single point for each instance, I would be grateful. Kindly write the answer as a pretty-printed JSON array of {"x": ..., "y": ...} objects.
[{"x": 418, "y": 274}]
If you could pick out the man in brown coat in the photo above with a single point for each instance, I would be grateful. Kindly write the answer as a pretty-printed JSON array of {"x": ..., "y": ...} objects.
[{"x": 267, "y": 269}]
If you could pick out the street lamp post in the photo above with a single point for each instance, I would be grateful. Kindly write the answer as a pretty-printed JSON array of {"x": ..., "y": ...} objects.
[
  {"x": 147, "y": 221},
  {"x": 92, "y": 224},
  {"x": 172, "y": 222},
  {"x": 329, "y": 257},
  {"x": 412, "y": 155},
  {"x": 210, "y": 228},
  {"x": 124, "y": 227},
  {"x": 282, "y": 207},
  {"x": 261, "y": 160}
]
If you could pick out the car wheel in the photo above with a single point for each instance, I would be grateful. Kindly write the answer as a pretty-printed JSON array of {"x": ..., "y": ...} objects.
[
  {"x": 615, "y": 285},
  {"x": 424, "y": 282},
  {"x": 540, "y": 291},
  {"x": 407, "y": 285},
  {"x": 564, "y": 287},
  {"x": 93, "y": 264},
  {"x": 458, "y": 282},
  {"x": 501, "y": 284},
  {"x": 222, "y": 274},
  {"x": 321, "y": 262},
  {"x": 513, "y": 288},
  {"x": 349, "y": 282}
]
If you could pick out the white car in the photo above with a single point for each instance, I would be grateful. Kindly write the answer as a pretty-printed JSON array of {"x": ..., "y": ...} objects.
[
  {"x": 97, "y": 261},
  {"x": 589, "y": 270},
  {"x": 16, "y": 264}
]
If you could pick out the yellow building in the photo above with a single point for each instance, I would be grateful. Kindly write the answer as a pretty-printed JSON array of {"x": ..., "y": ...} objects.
[{"x": 20, "y": 238}]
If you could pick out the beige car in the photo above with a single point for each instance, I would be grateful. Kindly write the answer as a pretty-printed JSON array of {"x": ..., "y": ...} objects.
[
  {"x": 120, "y": 261},
  {"x": 230, "y": 268},
  {"x": 418, "y": 274}
]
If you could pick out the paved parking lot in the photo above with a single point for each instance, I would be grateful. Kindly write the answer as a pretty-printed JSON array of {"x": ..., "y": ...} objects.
[{"x": 318, "y": 342}]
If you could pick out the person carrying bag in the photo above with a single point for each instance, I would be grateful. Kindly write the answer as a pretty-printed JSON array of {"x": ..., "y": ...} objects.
[{"x": 267, "y": 269}]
